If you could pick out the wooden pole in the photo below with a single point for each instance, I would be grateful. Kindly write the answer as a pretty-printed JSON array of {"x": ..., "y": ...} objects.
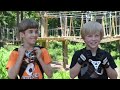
[
  {"x": 103, "y": 23},
  {"x": 65, "y": 53},
  {"x": 113, "y": 25},
  {"x": 70, "y": 26},
  {"x": 116, "y": 23},
  {"x": 73, "y": 32},
  {"x": 66, "y": 27},
  {"x": 110, "y": 25},
  {"x": 46, "y": 27}
]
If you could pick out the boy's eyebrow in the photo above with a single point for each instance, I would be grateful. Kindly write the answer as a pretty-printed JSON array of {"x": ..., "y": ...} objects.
[{"x": 33, "y": 29}]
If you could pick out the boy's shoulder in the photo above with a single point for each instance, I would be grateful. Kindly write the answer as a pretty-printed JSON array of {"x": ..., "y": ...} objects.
[
  {"x": 103, "y": 51},
  {"x": 16, "y": 49},
  {"x": 39, "y": 46},
  {"x": 99, "y": 50},
  {"x": 80, "y": 50}
]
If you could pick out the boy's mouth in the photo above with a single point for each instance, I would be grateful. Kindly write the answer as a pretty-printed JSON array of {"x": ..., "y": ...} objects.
[
  {"x": 33, "y": 39},
  {"x": 93, "y": 43}
]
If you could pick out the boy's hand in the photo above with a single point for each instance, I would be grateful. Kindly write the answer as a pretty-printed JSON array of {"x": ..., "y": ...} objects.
[
  {"x": 38, "y": 52},
  {"x": 21, "y": 51},
  {"x": 86, "y": 55},
  {"x": 105, "y": 63}
]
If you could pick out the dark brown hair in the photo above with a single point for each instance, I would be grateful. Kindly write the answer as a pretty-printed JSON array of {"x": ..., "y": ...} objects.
[{"x": 27, "y": 24}]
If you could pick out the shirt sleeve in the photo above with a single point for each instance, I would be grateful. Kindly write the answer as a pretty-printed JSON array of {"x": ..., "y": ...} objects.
[
  {"x": 46, "y": 56},
  {"x": 74, "y": 59},
  {"x": 111, "y": 61},
  {"x": 12, "y": 59}
]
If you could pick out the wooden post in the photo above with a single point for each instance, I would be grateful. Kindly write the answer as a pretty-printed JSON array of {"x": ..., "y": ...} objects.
[
  {"x": 46, "y": 27},
  {"x": 65, "y": 53},
  {"x": 45, "y": 43},
  {"x": 44, "y": 24},
  {"x": 81, "y": 23},
  {"x": 65, "y": 26},
  {"x": 113, "y": 26},
  {"x": 110, "y": 32},
  {"x": 70, "y": 26},
  {"x": 116, "y": 23},
  {"x": 103, "y": 24}
]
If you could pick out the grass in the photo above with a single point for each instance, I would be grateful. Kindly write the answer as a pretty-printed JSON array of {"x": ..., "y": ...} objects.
[
  {"x": 60, "y": 74},
  {"x": 117, "y": 62}
]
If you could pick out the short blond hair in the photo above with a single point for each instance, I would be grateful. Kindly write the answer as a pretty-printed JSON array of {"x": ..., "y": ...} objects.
[{"x": 92, "y": 27}]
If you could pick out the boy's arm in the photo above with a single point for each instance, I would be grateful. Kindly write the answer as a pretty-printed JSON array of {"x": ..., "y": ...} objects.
[
  {"x": 46, "y": 68},
  {"x": 45, "y": 61},
  {"x": 112, "y": 74},
  {"x": 77, "y": 60},
  {"x": 74, "y": 71},
  {"x": 14, "y": 70},
  {"x": 110, "y": 66}
]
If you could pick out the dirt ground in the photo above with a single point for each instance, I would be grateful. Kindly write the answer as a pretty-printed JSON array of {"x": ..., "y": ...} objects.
[{"x": 118, "y": 71}]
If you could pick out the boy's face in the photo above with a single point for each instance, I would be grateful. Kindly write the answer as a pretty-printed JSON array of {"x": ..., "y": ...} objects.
[
  {"x": 30, "y": 36},
  {"x": 92, "y": 40}
]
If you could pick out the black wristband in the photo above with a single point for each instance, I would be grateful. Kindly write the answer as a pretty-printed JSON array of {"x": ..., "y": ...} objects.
[{"x": 80, "y": 61}]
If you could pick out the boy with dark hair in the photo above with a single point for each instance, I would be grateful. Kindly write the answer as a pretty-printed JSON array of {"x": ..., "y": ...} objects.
[{"x": 29, "y": 61}]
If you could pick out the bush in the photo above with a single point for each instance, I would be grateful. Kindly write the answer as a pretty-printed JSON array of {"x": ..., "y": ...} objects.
[{"x": 4, "y": 55}]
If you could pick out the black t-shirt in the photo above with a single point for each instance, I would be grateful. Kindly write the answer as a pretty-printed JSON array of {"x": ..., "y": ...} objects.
[{"x": 87, "y": 65}]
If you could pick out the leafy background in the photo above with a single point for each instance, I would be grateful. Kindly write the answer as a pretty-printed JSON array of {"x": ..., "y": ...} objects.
[{"x": 55, "y": 50}]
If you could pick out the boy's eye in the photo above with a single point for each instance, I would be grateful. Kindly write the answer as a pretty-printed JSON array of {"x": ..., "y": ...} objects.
[
  {"x": 30, "y": 31},
  {"x": 36, "y": 32},
  {"x": 96, "y": 35},
  {"x": 89, "y": 35},
  {"x": 33, "y": 31}
]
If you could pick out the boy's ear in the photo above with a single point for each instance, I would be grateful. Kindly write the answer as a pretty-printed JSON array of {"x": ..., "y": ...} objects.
[{"x": 21, "y": 35}]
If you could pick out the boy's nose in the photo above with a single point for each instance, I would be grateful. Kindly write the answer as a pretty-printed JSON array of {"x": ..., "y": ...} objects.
[
  {"x": 34, "y": 34},
  {"x": 93, "y": 37}
]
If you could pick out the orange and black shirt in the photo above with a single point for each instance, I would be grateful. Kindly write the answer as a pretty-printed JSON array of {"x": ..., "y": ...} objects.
[{"x": 32, "y": 70}]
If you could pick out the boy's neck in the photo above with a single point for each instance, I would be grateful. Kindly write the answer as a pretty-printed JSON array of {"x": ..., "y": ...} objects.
[
  {"x": 27, "y": 46},
  {"x": 93, "y": 51}
]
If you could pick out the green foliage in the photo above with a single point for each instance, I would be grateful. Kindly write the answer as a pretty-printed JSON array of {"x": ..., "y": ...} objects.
[
  {"x": 8, "y": 18},
  {"x": 61, "y": 74},
  {"x": 32, "y": 14},
  {"x": 4, "y": 55},
  {"x": 55, "y": 50},
  {"x": 117, "y": 61}
]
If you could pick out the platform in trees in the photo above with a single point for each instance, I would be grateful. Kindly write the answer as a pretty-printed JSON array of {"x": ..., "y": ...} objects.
[{"x": 78, "y": 39}]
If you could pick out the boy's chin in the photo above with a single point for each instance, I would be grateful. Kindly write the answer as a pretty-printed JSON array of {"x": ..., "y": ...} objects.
[
  {"x": 32, "y": 43},
  {"x": 94, "y": 47}
]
